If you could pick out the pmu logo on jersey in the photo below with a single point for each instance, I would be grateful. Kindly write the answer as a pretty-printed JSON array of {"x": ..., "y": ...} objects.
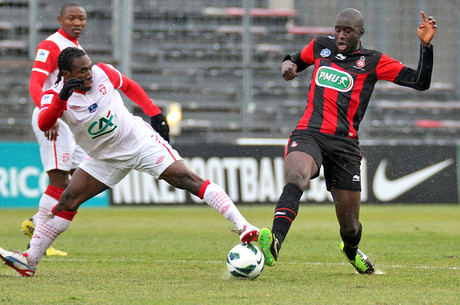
[
  {"x": 335, "y": 79},
  {"x": 102, "y": 125}
]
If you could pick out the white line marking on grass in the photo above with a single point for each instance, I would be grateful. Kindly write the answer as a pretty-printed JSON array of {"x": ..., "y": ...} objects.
[{"x": 161, "y": 261}]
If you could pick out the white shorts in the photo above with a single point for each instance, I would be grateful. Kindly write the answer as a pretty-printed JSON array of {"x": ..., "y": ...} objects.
[
  {"x": 62, "y": 153},
  {"x": 152, "y": 156}
]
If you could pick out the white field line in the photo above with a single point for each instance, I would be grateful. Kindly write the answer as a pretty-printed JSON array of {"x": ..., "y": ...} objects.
[{"x": 162, "y": 261}]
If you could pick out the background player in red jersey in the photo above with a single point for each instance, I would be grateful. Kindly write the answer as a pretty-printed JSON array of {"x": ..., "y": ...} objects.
[
  {"x": 59, "y": 153},
  {"x": 342, "y": 83}
]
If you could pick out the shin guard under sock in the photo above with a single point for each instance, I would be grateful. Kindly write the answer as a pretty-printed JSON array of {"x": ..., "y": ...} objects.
[
  {"x": 219, "y": 200},
  {"x": 286, "y": 211},
  {"x": 351, "y": 243},
  {"x": 46, "y": 232}
]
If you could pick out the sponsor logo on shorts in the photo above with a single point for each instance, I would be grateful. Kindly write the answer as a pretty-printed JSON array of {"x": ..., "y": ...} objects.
[
  {"x": 356, "y": 178},
  {"x": 65, "y": 157},
  {"x": 160, "y": 159},
  {"x": 325, "y": 52},
  {"x": 42, "y": 55},
  {"x": 329, "y": 77},
  {"x": 294, "y": 144}
]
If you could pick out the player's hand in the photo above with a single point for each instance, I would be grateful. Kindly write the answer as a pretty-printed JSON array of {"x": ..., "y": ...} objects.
[
  {"x": 52, "y": 133},
  {"x": 160, "y": 125},
  {"x": 69, "y": 87},
  {"x": 426, "y": 29},
  {"x": 289, "y": 70}
]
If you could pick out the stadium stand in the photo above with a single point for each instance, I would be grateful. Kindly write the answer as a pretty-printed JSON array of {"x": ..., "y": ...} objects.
[{"x": 192, "y": 54}]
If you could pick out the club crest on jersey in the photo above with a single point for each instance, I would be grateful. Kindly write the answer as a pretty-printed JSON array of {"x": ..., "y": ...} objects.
[
  {"x": 102, "y": 89},
  {"x": 325, "y": 52},
  {"x": 329, "y": 77},
  {"x": 361, "y": 62},
  {"x": 93, "y": 108}
]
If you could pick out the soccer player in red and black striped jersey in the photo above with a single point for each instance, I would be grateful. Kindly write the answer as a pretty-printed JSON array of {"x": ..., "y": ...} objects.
[{"x": 343, "y": 79}]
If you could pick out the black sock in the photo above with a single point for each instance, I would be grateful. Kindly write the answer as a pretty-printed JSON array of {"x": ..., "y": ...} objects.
[
  {"x": 351, "y": 243},
  {"x": 286, "y": 211}
]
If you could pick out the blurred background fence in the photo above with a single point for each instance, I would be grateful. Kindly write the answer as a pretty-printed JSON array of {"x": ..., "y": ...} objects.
[{"x": 219, "y": 61}]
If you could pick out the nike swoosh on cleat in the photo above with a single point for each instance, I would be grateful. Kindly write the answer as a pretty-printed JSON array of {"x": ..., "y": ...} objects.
[{"x": 386, "y": 190}]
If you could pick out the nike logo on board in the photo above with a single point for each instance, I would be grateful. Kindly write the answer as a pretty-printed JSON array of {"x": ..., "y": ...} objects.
[{"x": 386, "y": 190}]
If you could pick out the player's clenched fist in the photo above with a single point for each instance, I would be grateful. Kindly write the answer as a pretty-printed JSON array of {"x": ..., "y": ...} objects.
[
  {"x": 69, "y": 87},
  {"x": 288, "y": 70}
]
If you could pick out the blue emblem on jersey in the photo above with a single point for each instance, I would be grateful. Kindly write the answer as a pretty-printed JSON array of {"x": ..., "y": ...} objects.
[
  {"x": 93, "y": 108},
  {"x": 325, "y": 52}
]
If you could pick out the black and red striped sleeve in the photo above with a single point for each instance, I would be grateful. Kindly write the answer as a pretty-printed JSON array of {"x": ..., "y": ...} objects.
[
  {"x": 394, "y": 71},
  {"x": 304, "y": 58}
]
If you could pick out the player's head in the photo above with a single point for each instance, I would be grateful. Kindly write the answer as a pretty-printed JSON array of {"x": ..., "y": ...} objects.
[
  {"x": 349, "y": 28},
  {"x": 74, "y": 62},
  {"x": 72, "y": 19}
]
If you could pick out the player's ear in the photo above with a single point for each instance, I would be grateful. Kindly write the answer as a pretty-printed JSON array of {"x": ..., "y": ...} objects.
[
  {"x": 361, "y": 32},
  {"x": 65, "y": 74}
]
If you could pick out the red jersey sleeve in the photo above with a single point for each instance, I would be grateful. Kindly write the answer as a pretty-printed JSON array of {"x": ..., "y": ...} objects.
[
  {"x": 51, "y": 110},
  {"x": 36, "y": 82},
  {"x": 388, "y": 68},
  {"x": 46, "y": 57},
  {"x": 131, "y": 89},
  {"x": 308, "y": 54},
  {"x": 45, "y": 62}
]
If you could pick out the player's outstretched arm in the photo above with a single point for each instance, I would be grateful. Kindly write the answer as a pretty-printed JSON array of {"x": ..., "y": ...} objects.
[{"x": 426, "y": 30}]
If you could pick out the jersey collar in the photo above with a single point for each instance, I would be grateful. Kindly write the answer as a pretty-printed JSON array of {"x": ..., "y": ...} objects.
[
  {"x": 79, "y": 91},
  {"x": 73, "y": 39}
]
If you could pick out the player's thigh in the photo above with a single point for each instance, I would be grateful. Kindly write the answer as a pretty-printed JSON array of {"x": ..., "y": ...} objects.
[
  {"x": 155, "y": 156},
  {"x": 342, "y": 165},
  {"x": 106, "y": 171},
  {"x": 81, "y": 188},
  {"x": 303, "y": 159}
]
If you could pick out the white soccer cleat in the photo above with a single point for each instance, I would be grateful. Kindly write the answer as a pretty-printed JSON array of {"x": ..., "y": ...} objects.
[
  {"x": 249, "y": 234},
  {"x": 18, "y": 261}
]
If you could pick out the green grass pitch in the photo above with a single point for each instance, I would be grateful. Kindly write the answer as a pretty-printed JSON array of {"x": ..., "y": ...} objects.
[{"x": 176, "y": 255}]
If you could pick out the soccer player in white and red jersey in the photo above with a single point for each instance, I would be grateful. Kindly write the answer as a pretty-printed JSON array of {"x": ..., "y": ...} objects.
[
  {"x": 86, "y": 97},
  {"x": 59, "y": 153}
]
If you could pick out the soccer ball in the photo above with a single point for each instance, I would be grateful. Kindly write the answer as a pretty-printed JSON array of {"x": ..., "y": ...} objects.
[{"x": 245, "y": 261}]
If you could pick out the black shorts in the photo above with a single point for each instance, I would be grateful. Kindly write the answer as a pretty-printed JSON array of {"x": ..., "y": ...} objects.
[{"x": 340, "y": 157}]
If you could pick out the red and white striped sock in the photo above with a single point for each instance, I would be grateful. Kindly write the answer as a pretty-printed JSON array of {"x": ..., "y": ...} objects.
[
  {"x": 46, "y": 232},
  {"x": 218, "y": 199},
  {"x": 48, "y": 200}
]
